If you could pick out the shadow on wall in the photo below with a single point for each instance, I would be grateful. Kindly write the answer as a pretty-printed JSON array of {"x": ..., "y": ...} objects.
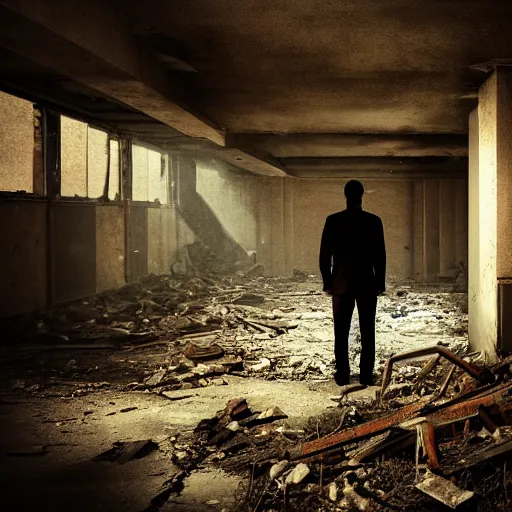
[{"x": 201, "y": 218}]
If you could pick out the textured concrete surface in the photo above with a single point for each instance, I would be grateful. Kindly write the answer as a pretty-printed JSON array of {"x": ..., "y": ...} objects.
[
  {"x": 474, "y": 292},
  {"x": 66, "y": 478},
  {"x": 17, "y": 143},
  {"x": 110, "y": 247},
  {"x": 22, "y": 256},
  {"x": 73, "y": 157},
  {"x": 233, "y": 199},
  {"x": 488, "y": 212},
  {"x": 392, "y": 201}
]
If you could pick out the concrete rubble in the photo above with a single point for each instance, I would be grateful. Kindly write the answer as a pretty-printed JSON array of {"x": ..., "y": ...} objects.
[
  {"x": 356, "y": 457},
  {"x": 440, "y": 416}
]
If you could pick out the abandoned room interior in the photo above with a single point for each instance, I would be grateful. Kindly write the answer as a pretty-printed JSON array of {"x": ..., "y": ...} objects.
[{"x": 166, "y": 171}]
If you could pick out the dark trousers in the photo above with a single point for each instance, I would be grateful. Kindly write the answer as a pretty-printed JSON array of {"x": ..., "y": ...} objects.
[{"x": 343, "y": 308}]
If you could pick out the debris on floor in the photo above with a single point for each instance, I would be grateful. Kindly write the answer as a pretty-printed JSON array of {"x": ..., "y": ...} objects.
[
  {"x": 125, "y": 452},
  {"x": 417, "y": 443},
  {"x": 172, "y": 332},
  {"x": 347, "y": 458}
]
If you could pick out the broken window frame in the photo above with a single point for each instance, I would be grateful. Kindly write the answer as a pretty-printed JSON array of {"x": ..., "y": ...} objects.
[
  {"x": 38, "y": 191},
  {"x": 111, "y": 136},
  {"x": 134, "y": 142}
]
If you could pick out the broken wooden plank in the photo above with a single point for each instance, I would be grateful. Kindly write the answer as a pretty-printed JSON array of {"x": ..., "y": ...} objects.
[{"x": 484, "y": 456}]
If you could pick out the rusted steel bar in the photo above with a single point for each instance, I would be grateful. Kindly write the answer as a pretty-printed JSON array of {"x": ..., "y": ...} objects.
[
  {"x": 446, "y": 383},
  {"x": 482, "y": 375},
  {"x": 358, "y": 432},
  {"x": 468, "y": 408},
  {"x": 429, "y": 444},
  {"x": 487, "y": 420},
  {"x": 456, "y": 410}
]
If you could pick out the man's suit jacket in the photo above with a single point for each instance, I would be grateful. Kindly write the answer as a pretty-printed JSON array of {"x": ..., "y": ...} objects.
[{"x": 353, "y": 253}]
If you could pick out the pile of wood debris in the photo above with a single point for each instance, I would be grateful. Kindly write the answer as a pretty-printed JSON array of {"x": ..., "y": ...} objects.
[{"x": 444, "y": 450}]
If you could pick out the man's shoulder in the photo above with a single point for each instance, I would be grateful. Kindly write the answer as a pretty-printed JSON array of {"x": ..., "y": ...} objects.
[
  {"x": 334, "y": 217},
  {"x": 372, "y": 217}
]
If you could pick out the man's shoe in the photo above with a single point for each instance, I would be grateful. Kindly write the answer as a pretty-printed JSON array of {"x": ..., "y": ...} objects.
[
  {"x": 341, "y": 381},
  {"x": 366, "y": 382}
]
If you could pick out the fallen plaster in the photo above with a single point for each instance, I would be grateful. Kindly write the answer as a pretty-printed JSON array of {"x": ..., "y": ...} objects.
[{"x": 77, "y": 392}]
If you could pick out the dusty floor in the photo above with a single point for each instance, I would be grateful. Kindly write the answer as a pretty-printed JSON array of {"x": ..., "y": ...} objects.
[{"x": 60, "y": 405}]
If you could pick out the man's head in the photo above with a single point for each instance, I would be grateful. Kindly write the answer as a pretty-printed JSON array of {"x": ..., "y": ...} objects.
[{"x": 354, "y": 191}]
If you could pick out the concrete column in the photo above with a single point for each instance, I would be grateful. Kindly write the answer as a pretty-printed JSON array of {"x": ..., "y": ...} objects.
[
  {"x": 418, "y": 222},
  {"x": 289, "y": 225},
  {"x": 447, "y": 239},
  {"x": 494, "y": 256},
  {"x": 431, "y": 229},
  {"x": 461, "y": 225},
  {"x": 277, "y": 226},
  {"x": 264, "y": 243},
  {"x": 474, "y": 293}
]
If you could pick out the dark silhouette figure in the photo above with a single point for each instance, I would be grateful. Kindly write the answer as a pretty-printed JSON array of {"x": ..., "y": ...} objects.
[{"x": 353, "y": 268}]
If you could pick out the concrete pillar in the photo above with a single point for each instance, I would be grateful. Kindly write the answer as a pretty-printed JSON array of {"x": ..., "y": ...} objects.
[
  {"x": 289, "y": 225},
  {"x": 474, "y": 294},
  {"x": 264, "y": 243},
  {"x": 447, "y": 238},
  {"x": 461, "y": 225},
  {"x": 431, "y": 229},
  {"x": 277, "y": 226},
  {"x": 418, "y": 223},
  {"x": 493, "y": 260}
]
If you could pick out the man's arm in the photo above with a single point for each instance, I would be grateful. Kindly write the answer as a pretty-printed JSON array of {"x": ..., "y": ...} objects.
[
  {"x": 380, "y": 258},
  {"x": 326, "y": 256}
]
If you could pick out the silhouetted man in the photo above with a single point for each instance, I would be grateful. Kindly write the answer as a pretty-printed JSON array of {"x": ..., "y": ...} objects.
[{"x": 353, "y": 267}]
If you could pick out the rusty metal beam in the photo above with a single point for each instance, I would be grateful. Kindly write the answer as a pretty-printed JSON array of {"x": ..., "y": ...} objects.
[
  {"x": 358, "y": 432},
  {"x": 455, "y": 410},
  {"x": 482, "y": 375}
]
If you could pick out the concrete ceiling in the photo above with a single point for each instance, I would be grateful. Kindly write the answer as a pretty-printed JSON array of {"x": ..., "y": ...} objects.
[
  {"x": 331, "y": 66},
  {"x": 275, "y": 87}
]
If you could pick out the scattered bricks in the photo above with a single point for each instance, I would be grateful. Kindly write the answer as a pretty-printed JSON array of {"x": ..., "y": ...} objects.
[
  {"x": 297, "y": 474},
  {"x": 278, "y": 469},
  {"x": 126, "y": 452}
]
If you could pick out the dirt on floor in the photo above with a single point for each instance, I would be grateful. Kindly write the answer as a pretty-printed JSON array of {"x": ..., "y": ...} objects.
[{"x": 149, "y": 361}]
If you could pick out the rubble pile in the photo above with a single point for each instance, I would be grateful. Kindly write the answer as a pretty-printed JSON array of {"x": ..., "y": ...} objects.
[
  {"x": 445, "y": 450},
  {"x": 209, "y": 325}
]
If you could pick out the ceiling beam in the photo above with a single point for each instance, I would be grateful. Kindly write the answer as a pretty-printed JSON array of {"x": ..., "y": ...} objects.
[
  {"x": 89, "y": 43},
  {"x": 253, "y": 161},
  {"x": 376, "y": 167},
  {"x": 352, "y": 145}
]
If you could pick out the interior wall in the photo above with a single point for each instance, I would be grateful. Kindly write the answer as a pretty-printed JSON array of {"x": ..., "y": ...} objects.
[
  {"x": 425, "y": 224},
  {"x": 110, "y": 247},
  {"x": 23, "y": 267},
  {"x": 314, "y": 200},
  {"x": 233, "y": 199}
]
